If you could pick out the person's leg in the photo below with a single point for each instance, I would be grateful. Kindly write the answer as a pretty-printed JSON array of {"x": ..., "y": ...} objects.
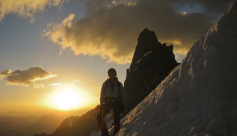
[
  {"x": 102, "y": 125},
  {"x": 116, "y": 118}
]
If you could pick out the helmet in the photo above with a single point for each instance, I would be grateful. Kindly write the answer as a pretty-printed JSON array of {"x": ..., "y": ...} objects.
[{"x": 112, "y": 70}]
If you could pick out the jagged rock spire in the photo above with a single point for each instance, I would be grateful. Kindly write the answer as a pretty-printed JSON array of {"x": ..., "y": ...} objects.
[{"x": 152, "y": 62}]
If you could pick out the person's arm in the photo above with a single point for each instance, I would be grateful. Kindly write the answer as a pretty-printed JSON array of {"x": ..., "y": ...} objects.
[{"x": 102, "y": 94}]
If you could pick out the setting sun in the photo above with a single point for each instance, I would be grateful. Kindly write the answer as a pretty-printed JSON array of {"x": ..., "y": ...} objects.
[{"x": 68, "y": 98}]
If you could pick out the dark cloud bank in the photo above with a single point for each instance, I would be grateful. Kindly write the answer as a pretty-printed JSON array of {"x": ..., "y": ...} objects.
[
  {"x": 26, "y": 77},
  {"x": 111, "y": 28}
]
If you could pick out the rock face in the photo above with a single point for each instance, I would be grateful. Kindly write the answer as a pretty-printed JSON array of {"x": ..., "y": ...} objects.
[{"x": 152, "y": 62}]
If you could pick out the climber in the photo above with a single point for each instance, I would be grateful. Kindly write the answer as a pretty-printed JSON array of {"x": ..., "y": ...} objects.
[{"x": 112, "y": 97}]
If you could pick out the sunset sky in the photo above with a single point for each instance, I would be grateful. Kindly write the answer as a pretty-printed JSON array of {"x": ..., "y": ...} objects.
[{"x": 54, "y": 54}]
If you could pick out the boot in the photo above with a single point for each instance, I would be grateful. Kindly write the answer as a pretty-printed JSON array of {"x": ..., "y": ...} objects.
[
  {"x": 116, "y": 128},
  {"x": 104, "y": 131}
]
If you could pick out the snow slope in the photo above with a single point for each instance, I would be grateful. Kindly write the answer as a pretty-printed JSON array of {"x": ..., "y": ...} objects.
[{"x": 199, "y": 97}]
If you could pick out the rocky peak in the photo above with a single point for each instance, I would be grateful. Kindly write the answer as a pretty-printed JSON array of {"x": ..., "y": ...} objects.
[
  {"x": 152, "y": 62},
  {"x": 147, "y": 41}
]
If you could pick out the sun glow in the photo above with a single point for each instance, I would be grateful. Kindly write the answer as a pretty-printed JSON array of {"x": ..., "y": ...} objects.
[{"x": 68, "y": 98}]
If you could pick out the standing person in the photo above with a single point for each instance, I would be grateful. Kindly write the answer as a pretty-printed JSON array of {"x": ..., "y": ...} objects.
[{"x": 112, "y": 97}]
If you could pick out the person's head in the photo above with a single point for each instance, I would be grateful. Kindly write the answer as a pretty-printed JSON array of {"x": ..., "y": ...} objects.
[{"x": 112, "y": 73}]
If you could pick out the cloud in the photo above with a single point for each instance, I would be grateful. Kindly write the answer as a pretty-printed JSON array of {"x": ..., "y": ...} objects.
[
  {"x": 26, "y": 8},
  {"x": 38, "y": 85},
  {"x": 110, "y": 28},
  {"x": 5, "y": 72},
  {"x": 26, "y": 77},
  {"x": 74, "y": 81},
  {"x": 55, "y": 84}
]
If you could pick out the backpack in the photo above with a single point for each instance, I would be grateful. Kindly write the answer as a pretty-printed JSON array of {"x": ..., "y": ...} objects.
[{"x": 119, "y": 83}]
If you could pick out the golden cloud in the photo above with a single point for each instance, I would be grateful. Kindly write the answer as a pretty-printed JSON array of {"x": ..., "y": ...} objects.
[
  {"x": 110, "y": 30},
  {"x": 38, "y": 85},
  {"x": 26, "y": 8},
  {"x": 88, "y": 43},
  {"x": 55, "y": 84},
  {"x": 26, "y": 77}
]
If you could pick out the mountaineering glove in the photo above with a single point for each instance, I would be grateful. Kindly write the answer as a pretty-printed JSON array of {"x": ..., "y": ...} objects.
[{"x": 122, "y": 108}]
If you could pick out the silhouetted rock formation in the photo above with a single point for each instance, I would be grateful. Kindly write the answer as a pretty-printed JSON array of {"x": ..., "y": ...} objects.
[{"x": 152, "y": 62}]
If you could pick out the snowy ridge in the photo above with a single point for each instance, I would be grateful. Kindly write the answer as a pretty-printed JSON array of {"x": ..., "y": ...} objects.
[{"x": 199, "y": 97}]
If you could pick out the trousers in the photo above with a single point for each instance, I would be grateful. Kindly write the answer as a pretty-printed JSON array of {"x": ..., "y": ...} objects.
[{"x": 106, "y": 109}]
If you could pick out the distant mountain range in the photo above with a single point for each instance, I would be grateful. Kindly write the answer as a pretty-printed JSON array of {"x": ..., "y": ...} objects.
[
  {"x": 20, "y": 123},
  {"x": 75, "y": 125},
  {"x": 27, "y": 125},
  {"x": 45, "y": 124},
  {"x": 47, "y": 112}
]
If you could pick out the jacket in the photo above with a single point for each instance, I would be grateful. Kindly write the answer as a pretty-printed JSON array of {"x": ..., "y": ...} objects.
[{"x": 109, "y": 92}]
